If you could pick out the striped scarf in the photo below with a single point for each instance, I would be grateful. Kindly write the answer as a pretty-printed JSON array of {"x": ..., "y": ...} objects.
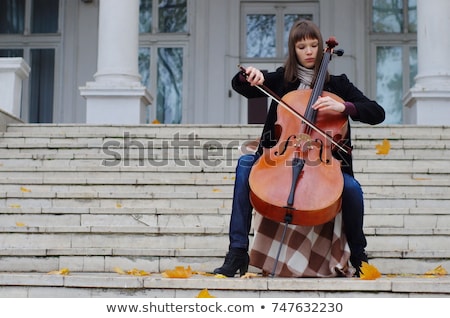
[{"x": 305, "y": 76}]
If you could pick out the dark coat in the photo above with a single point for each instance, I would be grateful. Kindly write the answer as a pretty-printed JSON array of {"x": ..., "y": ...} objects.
[{"x": 368, "y": 111}]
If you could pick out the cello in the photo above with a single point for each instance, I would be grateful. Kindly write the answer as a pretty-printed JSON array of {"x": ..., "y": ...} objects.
[{"x": 298, "y": 180}]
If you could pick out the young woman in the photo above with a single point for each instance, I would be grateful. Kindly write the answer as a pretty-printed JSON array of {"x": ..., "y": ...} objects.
[{"x": 299, "y": 72}]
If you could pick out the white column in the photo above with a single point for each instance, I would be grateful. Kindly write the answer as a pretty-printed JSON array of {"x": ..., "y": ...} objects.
[
  {"x": 117, "y": 95},
  {"x": 428, "y": 102},
  {"x": 12, "y": 72}
]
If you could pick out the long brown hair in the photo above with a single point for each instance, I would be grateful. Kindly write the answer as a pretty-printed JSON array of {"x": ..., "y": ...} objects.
[{"x": 301, "y": 30}]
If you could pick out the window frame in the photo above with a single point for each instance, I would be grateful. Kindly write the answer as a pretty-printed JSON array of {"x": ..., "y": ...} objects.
[
  {"x": 404, "y": 39},
  {"x": 279, "y": 9},
  {"x": 155, "y": 40},
  {"x": 249, "y": 110}
]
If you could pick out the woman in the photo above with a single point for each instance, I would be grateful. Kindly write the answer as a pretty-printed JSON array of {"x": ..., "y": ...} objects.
[{"x": 299, "y": 72}]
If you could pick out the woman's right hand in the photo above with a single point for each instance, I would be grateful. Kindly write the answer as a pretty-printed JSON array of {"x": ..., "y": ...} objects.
[{"x": 254, "y": 76}]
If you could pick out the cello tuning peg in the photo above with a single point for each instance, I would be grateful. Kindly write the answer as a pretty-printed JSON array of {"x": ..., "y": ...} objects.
[{"x": 339, "y": 52}]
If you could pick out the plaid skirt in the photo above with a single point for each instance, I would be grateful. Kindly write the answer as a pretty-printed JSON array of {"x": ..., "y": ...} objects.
[{"x": 306, "y": 251}]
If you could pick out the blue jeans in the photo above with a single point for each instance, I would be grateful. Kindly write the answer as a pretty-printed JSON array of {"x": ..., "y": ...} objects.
[{"x": 241, "y": 213}]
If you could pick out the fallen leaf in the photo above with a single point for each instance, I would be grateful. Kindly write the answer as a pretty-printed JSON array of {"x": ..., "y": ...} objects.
[
  {"x": 437, "y": 271},
  {"x": 20, "y": 224},
  {"x": 23, "y": 189},
  {"x": 369, "y": 272},
  {"x": 178, "y": 272},
  {"x": 203, "y": 274},
  {"x": 118, "y": 205},
  {"x": 156, "y": 121},
  {"x": 137, "y": 272},
  {"x": 249, "y": 275},
  {"x": 15, "y": 206},
  {"x": 220, "y": 276},
  {"x": 204, "y": 294},
  {"x": 120, "y": 271},
  {"x": 217, "y": 190},
  {"x": 383, "y": 148},
  {"x": 132, "y": 272},
  {"x": 62, "y": 271}
]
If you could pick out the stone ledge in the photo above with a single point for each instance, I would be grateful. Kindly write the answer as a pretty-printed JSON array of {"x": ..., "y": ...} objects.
[{"x": 397, "y": 285}]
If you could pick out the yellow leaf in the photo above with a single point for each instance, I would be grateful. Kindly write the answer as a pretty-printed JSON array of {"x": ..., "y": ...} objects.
[
  {"x": 118, "y": 205},
  {"x": 369, "y": 272},
  {"x": 217, "y": 190},
  {"x": 437, "y": 271},
  {"x": 383, "y": 148},
  {"x": 178, "y": 272},
  {"x": 249, "y": 275},
  {"x": 156, "y": 121},
  {"x": 120, "y": 271},
  {"x": 204, "y": 294},
  {"x": 15, "y": 206},
  {"x": 204, "y": 274},
  {"x": 220, "y": 276},
  {"x": 62, "y": 271},
  {"x": 137, "y": 272},
  {"x": 23, "y": 189},
  {"x": 133, "y": 272},
  {"x": 20, "y": 224}
]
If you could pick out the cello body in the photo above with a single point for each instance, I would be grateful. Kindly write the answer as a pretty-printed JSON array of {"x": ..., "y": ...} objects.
[{"x": 310, "y": 194}]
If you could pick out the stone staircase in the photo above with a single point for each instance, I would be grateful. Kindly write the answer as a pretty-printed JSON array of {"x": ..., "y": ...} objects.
[{"x": 93, "y": 198}]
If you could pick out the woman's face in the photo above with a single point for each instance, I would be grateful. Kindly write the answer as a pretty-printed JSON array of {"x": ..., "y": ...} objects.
[{"x": 306, "y": 51}]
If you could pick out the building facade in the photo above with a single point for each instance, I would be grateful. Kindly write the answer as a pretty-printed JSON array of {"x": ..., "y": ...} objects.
[{"x": 171, "y": 61}]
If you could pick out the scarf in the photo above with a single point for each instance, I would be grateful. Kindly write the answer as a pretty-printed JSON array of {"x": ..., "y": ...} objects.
[{"x": 305, "y": 76}]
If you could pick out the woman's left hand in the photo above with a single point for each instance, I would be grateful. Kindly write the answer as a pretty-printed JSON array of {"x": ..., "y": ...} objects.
[{"x": 328, "y": 103}]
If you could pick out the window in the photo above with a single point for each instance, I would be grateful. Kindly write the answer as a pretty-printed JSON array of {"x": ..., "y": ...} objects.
[
  {"x": 264, "y": 39},
  {"x": 267, "y": 28},
  {"x": 35, "y": 22},
  {"x": 393, "y": 40},
  {"x": 163, "y": 46}
]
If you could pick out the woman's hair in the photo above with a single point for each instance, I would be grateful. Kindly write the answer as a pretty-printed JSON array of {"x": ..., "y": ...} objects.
[{"x": 301, "y": 30}]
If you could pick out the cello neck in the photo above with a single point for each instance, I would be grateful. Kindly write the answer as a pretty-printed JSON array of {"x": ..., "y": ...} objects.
[{"x": 310, "y": 113}]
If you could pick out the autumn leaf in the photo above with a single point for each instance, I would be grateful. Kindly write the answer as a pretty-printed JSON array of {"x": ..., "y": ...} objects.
[
  {"x": 204, "y": 294},
  {"x": 156, "y": 121},
  {"x": 132, "y": 272},
  {"x": 62, "y": 271},
  {"x": 383, "y": 148},
  {"x": 118, "y": 205},
  {"x": 369, "y": 272},
  {"x": 137, "y": 272},
  {"x": 178, "y": 272},
  {"x": 23, "y": 189},
  {"x": 15, "y": 206},
  {"x": 437, "y": 271},
  {"x": 20, "y": 224},
  {"x": 120, "y": 271},
  {"x": 204, "y": 274},
  {"x": 249, "y": 275}
]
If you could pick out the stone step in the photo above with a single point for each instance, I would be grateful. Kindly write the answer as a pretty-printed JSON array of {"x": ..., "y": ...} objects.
[
  {"x": 168, "y": 205},
  {"x": 113, "y": 285},
  {"x": 106, "y": 259}
]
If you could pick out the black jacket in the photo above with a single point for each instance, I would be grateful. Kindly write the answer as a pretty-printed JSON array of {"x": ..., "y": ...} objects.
[{"x": 368, "y": 111}]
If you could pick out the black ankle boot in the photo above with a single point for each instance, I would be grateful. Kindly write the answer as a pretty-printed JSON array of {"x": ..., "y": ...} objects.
[
  {"x": 234, "y": 260},
  {"x": 356, "y": 259}
]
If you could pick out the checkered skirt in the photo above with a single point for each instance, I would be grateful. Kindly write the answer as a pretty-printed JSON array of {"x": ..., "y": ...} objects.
[{"x": 306, "y": 251}]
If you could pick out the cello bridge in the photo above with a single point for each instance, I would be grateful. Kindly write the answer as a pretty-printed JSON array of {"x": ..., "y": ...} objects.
[{"x": 303, "y": 139}]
